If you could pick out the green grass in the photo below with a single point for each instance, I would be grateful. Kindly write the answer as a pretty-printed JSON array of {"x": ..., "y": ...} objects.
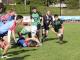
[
  {"x": 70, "y": 12},
  {"x": 50, "y": 50}
]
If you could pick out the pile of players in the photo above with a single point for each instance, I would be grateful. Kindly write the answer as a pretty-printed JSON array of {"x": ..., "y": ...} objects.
[{"x": 38, "y": 24}]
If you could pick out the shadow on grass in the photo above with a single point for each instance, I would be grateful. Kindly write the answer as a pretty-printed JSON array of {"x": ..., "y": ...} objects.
[
  {"x": 16, "y": 53},
  {"x": 20, "y": 51},
  {"x": 62, "y": 42},
  {"x": 14, "y": 46},
  {"x": 18, "y": 58},
  {"x": 50, "y": 39}
]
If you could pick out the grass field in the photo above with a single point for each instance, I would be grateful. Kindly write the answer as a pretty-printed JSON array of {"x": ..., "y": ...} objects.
[{"x": 50, "y": 50}]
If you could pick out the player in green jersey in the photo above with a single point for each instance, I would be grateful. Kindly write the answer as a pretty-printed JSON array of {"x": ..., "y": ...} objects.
[
  {"x": 58, "y": 28},
  {"x": 36, "y": 20}
]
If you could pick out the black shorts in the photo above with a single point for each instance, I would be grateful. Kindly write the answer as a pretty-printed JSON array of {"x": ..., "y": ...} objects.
[
  {"x": 38, "y": 26},
  {"x": 56, "y": 29},
  {"x": 46, "y": 27},
  {"x": 4, "y": 34}
]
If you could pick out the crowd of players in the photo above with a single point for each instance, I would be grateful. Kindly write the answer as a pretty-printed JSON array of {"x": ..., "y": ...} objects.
[{"x": 38, "y": 25}]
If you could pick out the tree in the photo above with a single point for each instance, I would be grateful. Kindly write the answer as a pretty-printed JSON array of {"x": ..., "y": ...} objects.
[{"x": 73, "y": 4}]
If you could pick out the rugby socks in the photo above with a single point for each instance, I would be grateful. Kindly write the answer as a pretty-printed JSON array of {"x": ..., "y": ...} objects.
[
  {"x": 61, "y": 38},
  {"x": 43, "y": 38}
]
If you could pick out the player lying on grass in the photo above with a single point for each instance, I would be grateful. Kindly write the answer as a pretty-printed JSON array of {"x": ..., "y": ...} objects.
[
  {"x": 5, "y": 31},
  {"x": 29, "y": 29},
  {"x": 33, "y": 42},
  {"x": 58, "y": 28},
  {"x": 28, "y": 42},
  {"x": 46, "y": 22}
]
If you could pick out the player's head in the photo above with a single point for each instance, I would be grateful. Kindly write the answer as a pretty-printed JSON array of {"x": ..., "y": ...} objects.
[
  {"x": 11, "y": 12},
  {"x": 56, "y": 16},
  {"x": 48, "y": 12},
  {"x": 34, "y": 9},
  {"x": 19, "y": 19},
  {"x": 32, "y": 43},
  {"x": 1, "y": 39}
]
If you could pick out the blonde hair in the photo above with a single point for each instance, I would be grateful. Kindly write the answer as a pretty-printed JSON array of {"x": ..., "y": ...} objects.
[
  {"x": 10, "y": 10},
  {"x": 48, "y": 12}
]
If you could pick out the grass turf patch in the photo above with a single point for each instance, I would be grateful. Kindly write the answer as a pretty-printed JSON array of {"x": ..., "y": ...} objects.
[{"x": 50, "y": 50}]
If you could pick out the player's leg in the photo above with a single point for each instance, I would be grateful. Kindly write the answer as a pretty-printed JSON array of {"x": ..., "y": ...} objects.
[
  {"x": 5, "y": 47},
  {"x": 33, "y": 33},
  {"x": 14, "y": 38},
  {"x": 9, "y": 36},
  {"x": 35, "y": 36},
  {"x": 43, "y": 35},
  {"x": 38, "y": 31},
  {"x": 45, "y": 31},
  {"x": 60, "y": 35},
  {"x": 5, "y": 50},
  {"x": 25, "y": 30}
]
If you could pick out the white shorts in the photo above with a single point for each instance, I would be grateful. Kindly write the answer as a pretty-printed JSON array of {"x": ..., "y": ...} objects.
[
  {"x": 60, "y": 33},
  {"x": 32, "y": 29}
]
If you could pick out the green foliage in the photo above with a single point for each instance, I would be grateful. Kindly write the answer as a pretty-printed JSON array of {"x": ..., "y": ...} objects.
[
  {"x": 73, "y": 4},
  {"x": 20, "y": 8},
  {"x": 35, "y": 2},
  {"x": 18, "y": 1}
]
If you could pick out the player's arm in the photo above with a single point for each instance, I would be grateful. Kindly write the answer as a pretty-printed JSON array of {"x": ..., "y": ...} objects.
[
  {"x": 42, "y": 21},
  {"x": 41, "y": 17},
  {"x": 62, "y": 25},
  {"x": 11, "y": 31},
  {"x": 51, "y": 22},
  {"x": 13, "y": 34},
  {"x": 52, "y": 29},
  {"x": 62, "y": 28},
  {"x": 9, "y": 35}
]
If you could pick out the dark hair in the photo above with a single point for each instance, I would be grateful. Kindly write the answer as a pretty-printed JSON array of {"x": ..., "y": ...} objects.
[
  {"x": 19, "y": 17},
  {"x": 34, "y": 8},
  {"x": 32, "y": 43},
  {"x": 55, "y": 15},
  {"x": 1, "y": 39},
  {"x": 29, "y": 35},
  {"x": 11, "y": 10}
]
